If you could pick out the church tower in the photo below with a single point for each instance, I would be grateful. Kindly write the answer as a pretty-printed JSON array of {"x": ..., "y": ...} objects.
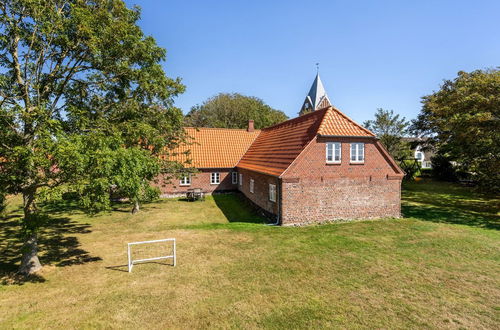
[{"x": 316, "y": 98}]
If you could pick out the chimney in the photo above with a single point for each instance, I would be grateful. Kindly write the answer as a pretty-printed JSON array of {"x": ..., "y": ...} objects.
[{"x": 250, "y": 126}]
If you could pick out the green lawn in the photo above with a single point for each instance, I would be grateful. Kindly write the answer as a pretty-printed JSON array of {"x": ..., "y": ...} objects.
[{"x": 439, "y": 266}]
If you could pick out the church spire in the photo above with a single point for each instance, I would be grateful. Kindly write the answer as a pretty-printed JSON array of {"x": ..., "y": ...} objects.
[{"x": 316, "y": 98}]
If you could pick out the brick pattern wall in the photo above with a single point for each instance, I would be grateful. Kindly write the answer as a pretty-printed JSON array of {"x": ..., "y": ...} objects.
[
  {"x": 314, "y": 191},
  {"x": 260, "y": 196},
  {"x": 198, "y": 180}
]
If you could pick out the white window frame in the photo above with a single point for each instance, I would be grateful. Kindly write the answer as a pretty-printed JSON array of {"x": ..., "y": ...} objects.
[
  {"x": 214, "y": 178},
  {"x": 241, "y": 179},
  {"x": 252, "y": 186},
  {"x": 185, "y": 181},
  {"x": 234, "y": 177},
  {"x": 357, "y": 148},
  {"x": 335, "y": 152},
  {"x": 419, "y": 155},
  {"x": 272, "y": 192}
]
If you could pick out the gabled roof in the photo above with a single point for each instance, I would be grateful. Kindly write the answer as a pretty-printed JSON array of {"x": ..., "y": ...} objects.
[
  {"x": 277, "y": 146},
  {"x": 215, "y": 147},
  {"x": 335, "y": 123}
]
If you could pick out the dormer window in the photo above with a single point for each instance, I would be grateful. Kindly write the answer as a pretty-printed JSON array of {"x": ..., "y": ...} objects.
[
  {"x": 333, "y": 152},
  {"x": 357, "y": 153}
]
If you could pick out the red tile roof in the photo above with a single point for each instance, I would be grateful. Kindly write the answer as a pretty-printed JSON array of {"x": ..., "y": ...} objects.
[
  {"x": 335, "y": 123},
  {"x": 269, "y": 151},
  {"x": 277, "y": 146},
  {"x": 215, "y": 147}
]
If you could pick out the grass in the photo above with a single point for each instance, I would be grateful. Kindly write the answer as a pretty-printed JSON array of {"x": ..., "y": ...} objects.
[{"x": 436, "y": 267}]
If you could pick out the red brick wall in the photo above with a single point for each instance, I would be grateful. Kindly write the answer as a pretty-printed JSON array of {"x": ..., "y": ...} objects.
[
  {"x": 260, "y": 196},
  {"x": 314, "y": 191},
  {"x": 198, "y": 180}
]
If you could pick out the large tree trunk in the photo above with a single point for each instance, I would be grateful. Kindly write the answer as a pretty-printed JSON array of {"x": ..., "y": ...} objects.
[
  {"x": 29, "y": 261},
  {"x": 136, "y": 207}
]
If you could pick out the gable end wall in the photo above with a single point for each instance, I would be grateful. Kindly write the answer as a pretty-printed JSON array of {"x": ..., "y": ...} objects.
[{"x": 314, "y": 191}]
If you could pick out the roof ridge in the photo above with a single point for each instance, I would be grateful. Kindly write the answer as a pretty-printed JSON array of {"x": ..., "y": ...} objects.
[
  {"x": 349, "y": 119},
  {"x": 221, "y": 128},
  {"x": 320, "y": 127},
  {"x": 295, "y": 119}
]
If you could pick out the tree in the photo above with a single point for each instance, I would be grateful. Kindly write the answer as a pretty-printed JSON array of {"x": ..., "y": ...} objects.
[
  {"x": 233, "y": 111},
  {"x": 390, "y": 129},
  {"x": 82, "y": 95},
  {"x": 463, "y": 118}
]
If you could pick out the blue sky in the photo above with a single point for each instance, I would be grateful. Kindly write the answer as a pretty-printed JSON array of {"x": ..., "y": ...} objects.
[{"x": 372, "y": 53}]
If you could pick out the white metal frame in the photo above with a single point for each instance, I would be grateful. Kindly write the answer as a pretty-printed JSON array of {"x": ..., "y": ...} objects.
[{"x": 131, "y": 261}]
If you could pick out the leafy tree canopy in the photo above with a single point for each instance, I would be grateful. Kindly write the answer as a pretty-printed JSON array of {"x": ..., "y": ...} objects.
[
  {"x": 463, "y": 118},
  {"x": 84, "y": 105},
  {"x": 390, "y": 129},
  {"x": 233, "y": 111}
]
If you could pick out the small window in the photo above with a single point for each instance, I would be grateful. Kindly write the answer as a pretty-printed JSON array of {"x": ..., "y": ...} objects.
[
  {"x": 234, "y": 177},
  {"x": 215, "y": 178},
  {"x": 419, "y": 155},
  {"x": 272, "y": 192},
  {"x": 241, "y": 179},
  {"x": 357, "y": 152},
  {"x": 333, "y": 152},
  {"x": 185, "y": 181},
  {"x": 252, "y": 183}
]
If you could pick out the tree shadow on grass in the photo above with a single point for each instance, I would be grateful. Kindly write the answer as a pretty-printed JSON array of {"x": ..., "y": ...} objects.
[
  {"x": 451, "y": 204},
  {"x": 450, "y": 215},
  {"x": 237, "y": 208},
  {"x": 56, "y": 244}
]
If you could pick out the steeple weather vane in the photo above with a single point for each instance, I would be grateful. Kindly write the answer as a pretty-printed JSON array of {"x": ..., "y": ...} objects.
[{"x": 316, "y": 98}]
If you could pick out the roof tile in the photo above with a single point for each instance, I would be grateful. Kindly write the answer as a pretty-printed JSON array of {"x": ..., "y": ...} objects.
[
  {"x": 215, "y": 147},
  {"x": 277, "y": 147}
]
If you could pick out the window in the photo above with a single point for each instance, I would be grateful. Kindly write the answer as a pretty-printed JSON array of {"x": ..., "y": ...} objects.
[
  {"x": 234, "y": 177},
  {"x": 333, "y": 152},
  {"x": 252, "y": 183},
  {"x": 215, "y": 178},
  {"x": 357, "y": 152},
  {"x": 241, "y": 179},
  {"x": 272, "y": 192},
  {"x": 185, "y": 181},
  {"x": 419, "y": 155}
]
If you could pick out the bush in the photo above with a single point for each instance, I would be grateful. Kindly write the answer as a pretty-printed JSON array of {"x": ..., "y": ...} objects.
[
  {"x": 426, "y": 173},
  {"x": 443, "y": 169}
]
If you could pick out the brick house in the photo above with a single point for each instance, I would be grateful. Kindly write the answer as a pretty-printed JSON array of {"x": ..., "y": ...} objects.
[{"x": 318, "y": 167}]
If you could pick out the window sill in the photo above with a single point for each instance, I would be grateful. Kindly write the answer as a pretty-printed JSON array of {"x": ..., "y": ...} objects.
[
  {"x": 184, "y": 185},
  {"x": 214, "y": 183},
  {"x": 333, "y": 163},
  {"x": 356, "y": 163}
]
